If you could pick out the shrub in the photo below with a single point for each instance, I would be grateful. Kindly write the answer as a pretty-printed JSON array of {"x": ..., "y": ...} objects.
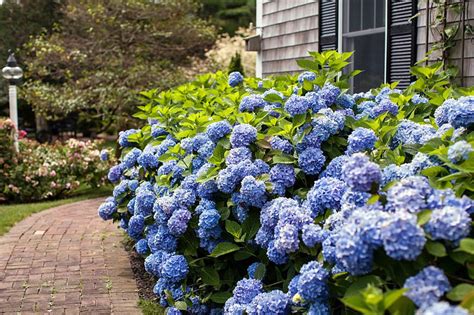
[
  {"x": 44, "y": 171},
  {"x": 292, "y": 195}
]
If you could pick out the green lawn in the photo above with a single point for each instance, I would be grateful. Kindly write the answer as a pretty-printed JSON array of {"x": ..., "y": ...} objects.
[{"x": 11, "y": 214}]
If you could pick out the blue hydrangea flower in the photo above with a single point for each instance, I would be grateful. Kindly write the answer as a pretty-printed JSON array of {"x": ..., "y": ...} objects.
[
  {"x": 449, "y": 223},
  {"x": 252, "y": 269},
  {"x": 360, "y": 174},
  {"x": 154, "y": 261},
  {"x": 218, "y": 130},
  {"x": 120, "y": 190},
  {"x": 123, "y": 137},
  {"x": 361, "y": 139},
  {"x": 417, "y": 99},
  {"x": 458, "y": 113},
  {"x": 104, "y": 155},
  {"x": 164, "y": 240},
  {"x": 312, "y": 235},
  {"x": 237, "y": 155},
  {"x": 136, "y": 226},
  {"x": 345, "y": 101},
  {"x": 209, "y": 218},
  {"x": 142, "y": 246},
  {"x": 246, "y": 290},
  {"x": 178, "y": 222},
  {"x": 311, "y": 161},
  {"x": 410, "y": 194},
  {"x": 443, "y": 308},
  {"x": 235, "y": 78},
  {"x": 402, "y": 238},
  {"x": 314, "y": 104},
  {"x": 148, "y": 160},
  {"x": 243, "y": 135},
  {"x": 334, "y": 168},
  {"x": 173, "y": 311},
  {"x": 275, "y": 255},
  {"x": 261, "y": 167},
  {"x": 409, "y": 132},
  {"x": 287, "y": 240},
  {"x": 282, "y": 174},
  {"x": 274, "y": 302},
  {"x": 312, "y": 282},
  {"x": 328, "y": 95},
  {"x": 251, "y": 102},
  {"x": 352, "y": 253},
  {"x": 144, "y": 201},
  {"x": 325, "y": 194},
  {"x": 427, "y": 287},
  {"x": 296, "y": 105},
  {"x": 184, "y": 197},
  {"x": 319, "y": 308},
  {"x": 459, "y": 151},
  {"x": 280, "y": 144},
  {"x": 306, "y": 76},
  {"x": 385, "y": 106},
  {"x": 175, "y": 268},
  {"x": 115, "y": 173},
  {"x": 107, "y": 209},
  {"x": 157, "y": 131},
  {"x": 253, "y": 191}
]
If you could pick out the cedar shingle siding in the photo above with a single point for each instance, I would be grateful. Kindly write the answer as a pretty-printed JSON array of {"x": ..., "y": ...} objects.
[
  {"x": 289, "y": 31},
  {"x": 290, "y": 28}
]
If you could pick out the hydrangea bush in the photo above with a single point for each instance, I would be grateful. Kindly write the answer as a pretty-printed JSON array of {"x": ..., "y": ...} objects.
[
  {"x": 44, "y": 171},
  {"x": 292, "y": 195}
]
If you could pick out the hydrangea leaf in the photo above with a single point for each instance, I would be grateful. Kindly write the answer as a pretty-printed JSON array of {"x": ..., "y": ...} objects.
[
  {"x": 460, "y": 291},
  {"x": 224, "y": 248}
]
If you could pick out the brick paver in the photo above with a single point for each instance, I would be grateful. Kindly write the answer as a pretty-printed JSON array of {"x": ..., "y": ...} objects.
[{"x": 66, "y": 260}]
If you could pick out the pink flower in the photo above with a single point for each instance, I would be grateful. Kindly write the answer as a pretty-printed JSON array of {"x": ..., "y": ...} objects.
[
  {"x": 52, "y": 173},
  {"x": 22, "y": 134}
]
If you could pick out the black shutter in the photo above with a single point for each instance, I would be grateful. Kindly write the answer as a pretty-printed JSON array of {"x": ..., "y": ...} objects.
[
  {"x": 401, "y": 50},
  {"x": 327, "y": 25}
]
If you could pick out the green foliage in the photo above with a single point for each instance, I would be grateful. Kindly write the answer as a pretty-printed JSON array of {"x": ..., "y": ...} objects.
[
  {"x": 229, "y": 15},
  {"x": 188, "y": 109},
  {"x": 45, "y": 171},
  {"x": 102, "y": 54},
  {"x": 236, "y": 64}
]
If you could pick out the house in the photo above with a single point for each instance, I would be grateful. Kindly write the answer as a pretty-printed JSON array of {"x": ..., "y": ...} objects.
[{"x": 388, "y": 36}]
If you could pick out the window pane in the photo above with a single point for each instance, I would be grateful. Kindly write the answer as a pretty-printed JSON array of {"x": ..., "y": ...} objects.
[
  {"x": 355, "y": 13},
  {"x": 368, "y": 56},
  {"x": 368, "y": 14},
  {"x": 380, "y": 13}
]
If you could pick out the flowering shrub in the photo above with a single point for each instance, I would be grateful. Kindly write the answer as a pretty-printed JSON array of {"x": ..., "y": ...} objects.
[
  {"x": 42, "y": 171},
  {"x": 291, "y": 195}
]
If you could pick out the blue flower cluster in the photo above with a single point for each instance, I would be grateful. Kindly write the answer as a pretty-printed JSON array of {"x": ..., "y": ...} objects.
[
  {"x": 427, "y": 287},
  {"x": 271, "y": 198}
]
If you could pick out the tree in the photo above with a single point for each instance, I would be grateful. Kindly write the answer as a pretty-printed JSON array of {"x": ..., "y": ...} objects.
[
  {"x": 229, "y": 15},
  {"x": 236, "y": 64},
  {"x": 20, "y": 21},
  {"x": 103, "y": 53}
]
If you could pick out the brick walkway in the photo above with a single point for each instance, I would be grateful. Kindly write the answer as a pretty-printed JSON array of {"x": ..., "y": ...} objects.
[{"x": 66, "y": 260}]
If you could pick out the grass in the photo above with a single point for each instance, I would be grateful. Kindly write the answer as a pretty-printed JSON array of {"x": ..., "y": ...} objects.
[
  {"x": 11, "y": 214},
  {"x": 150, "y": 307}
]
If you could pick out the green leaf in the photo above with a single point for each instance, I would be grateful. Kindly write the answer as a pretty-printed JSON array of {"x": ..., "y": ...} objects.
[
  {"x": 250, "y": 226},
  {"x": 233, "y": 228},
  {"x": 357, "y": 303},
  {"x": 283, "y": 158},
  {"x": 260, "y": 271},
  {"x": 436, "y": 249},
  {"x": 392, "y": 296},
  {"x": 307, "y": 64},
  {"x": 402, "y": 306},
  {"x": 273, "y": 98},
  {"x": 362, "y": 283},
  {"x": 210, "y": 276},
  {"x": 424, "y": 216},
  {"x": 460, "y": 291},
  {"x": 221, "y": 297},
  {"x": 181, "y": 305},
  {"x": 224, "y": 249},
  {"x": 467, "y": 245}
]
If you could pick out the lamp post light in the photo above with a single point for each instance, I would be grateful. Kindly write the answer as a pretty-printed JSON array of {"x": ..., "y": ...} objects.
[{"x": 12, "y": 73}]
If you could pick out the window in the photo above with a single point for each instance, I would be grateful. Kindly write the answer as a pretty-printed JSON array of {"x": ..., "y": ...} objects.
[{"x": 363, "y": 31}]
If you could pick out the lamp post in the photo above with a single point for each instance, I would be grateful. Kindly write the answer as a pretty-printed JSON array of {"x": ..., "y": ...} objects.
[{"x": 12, "y": 73}]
